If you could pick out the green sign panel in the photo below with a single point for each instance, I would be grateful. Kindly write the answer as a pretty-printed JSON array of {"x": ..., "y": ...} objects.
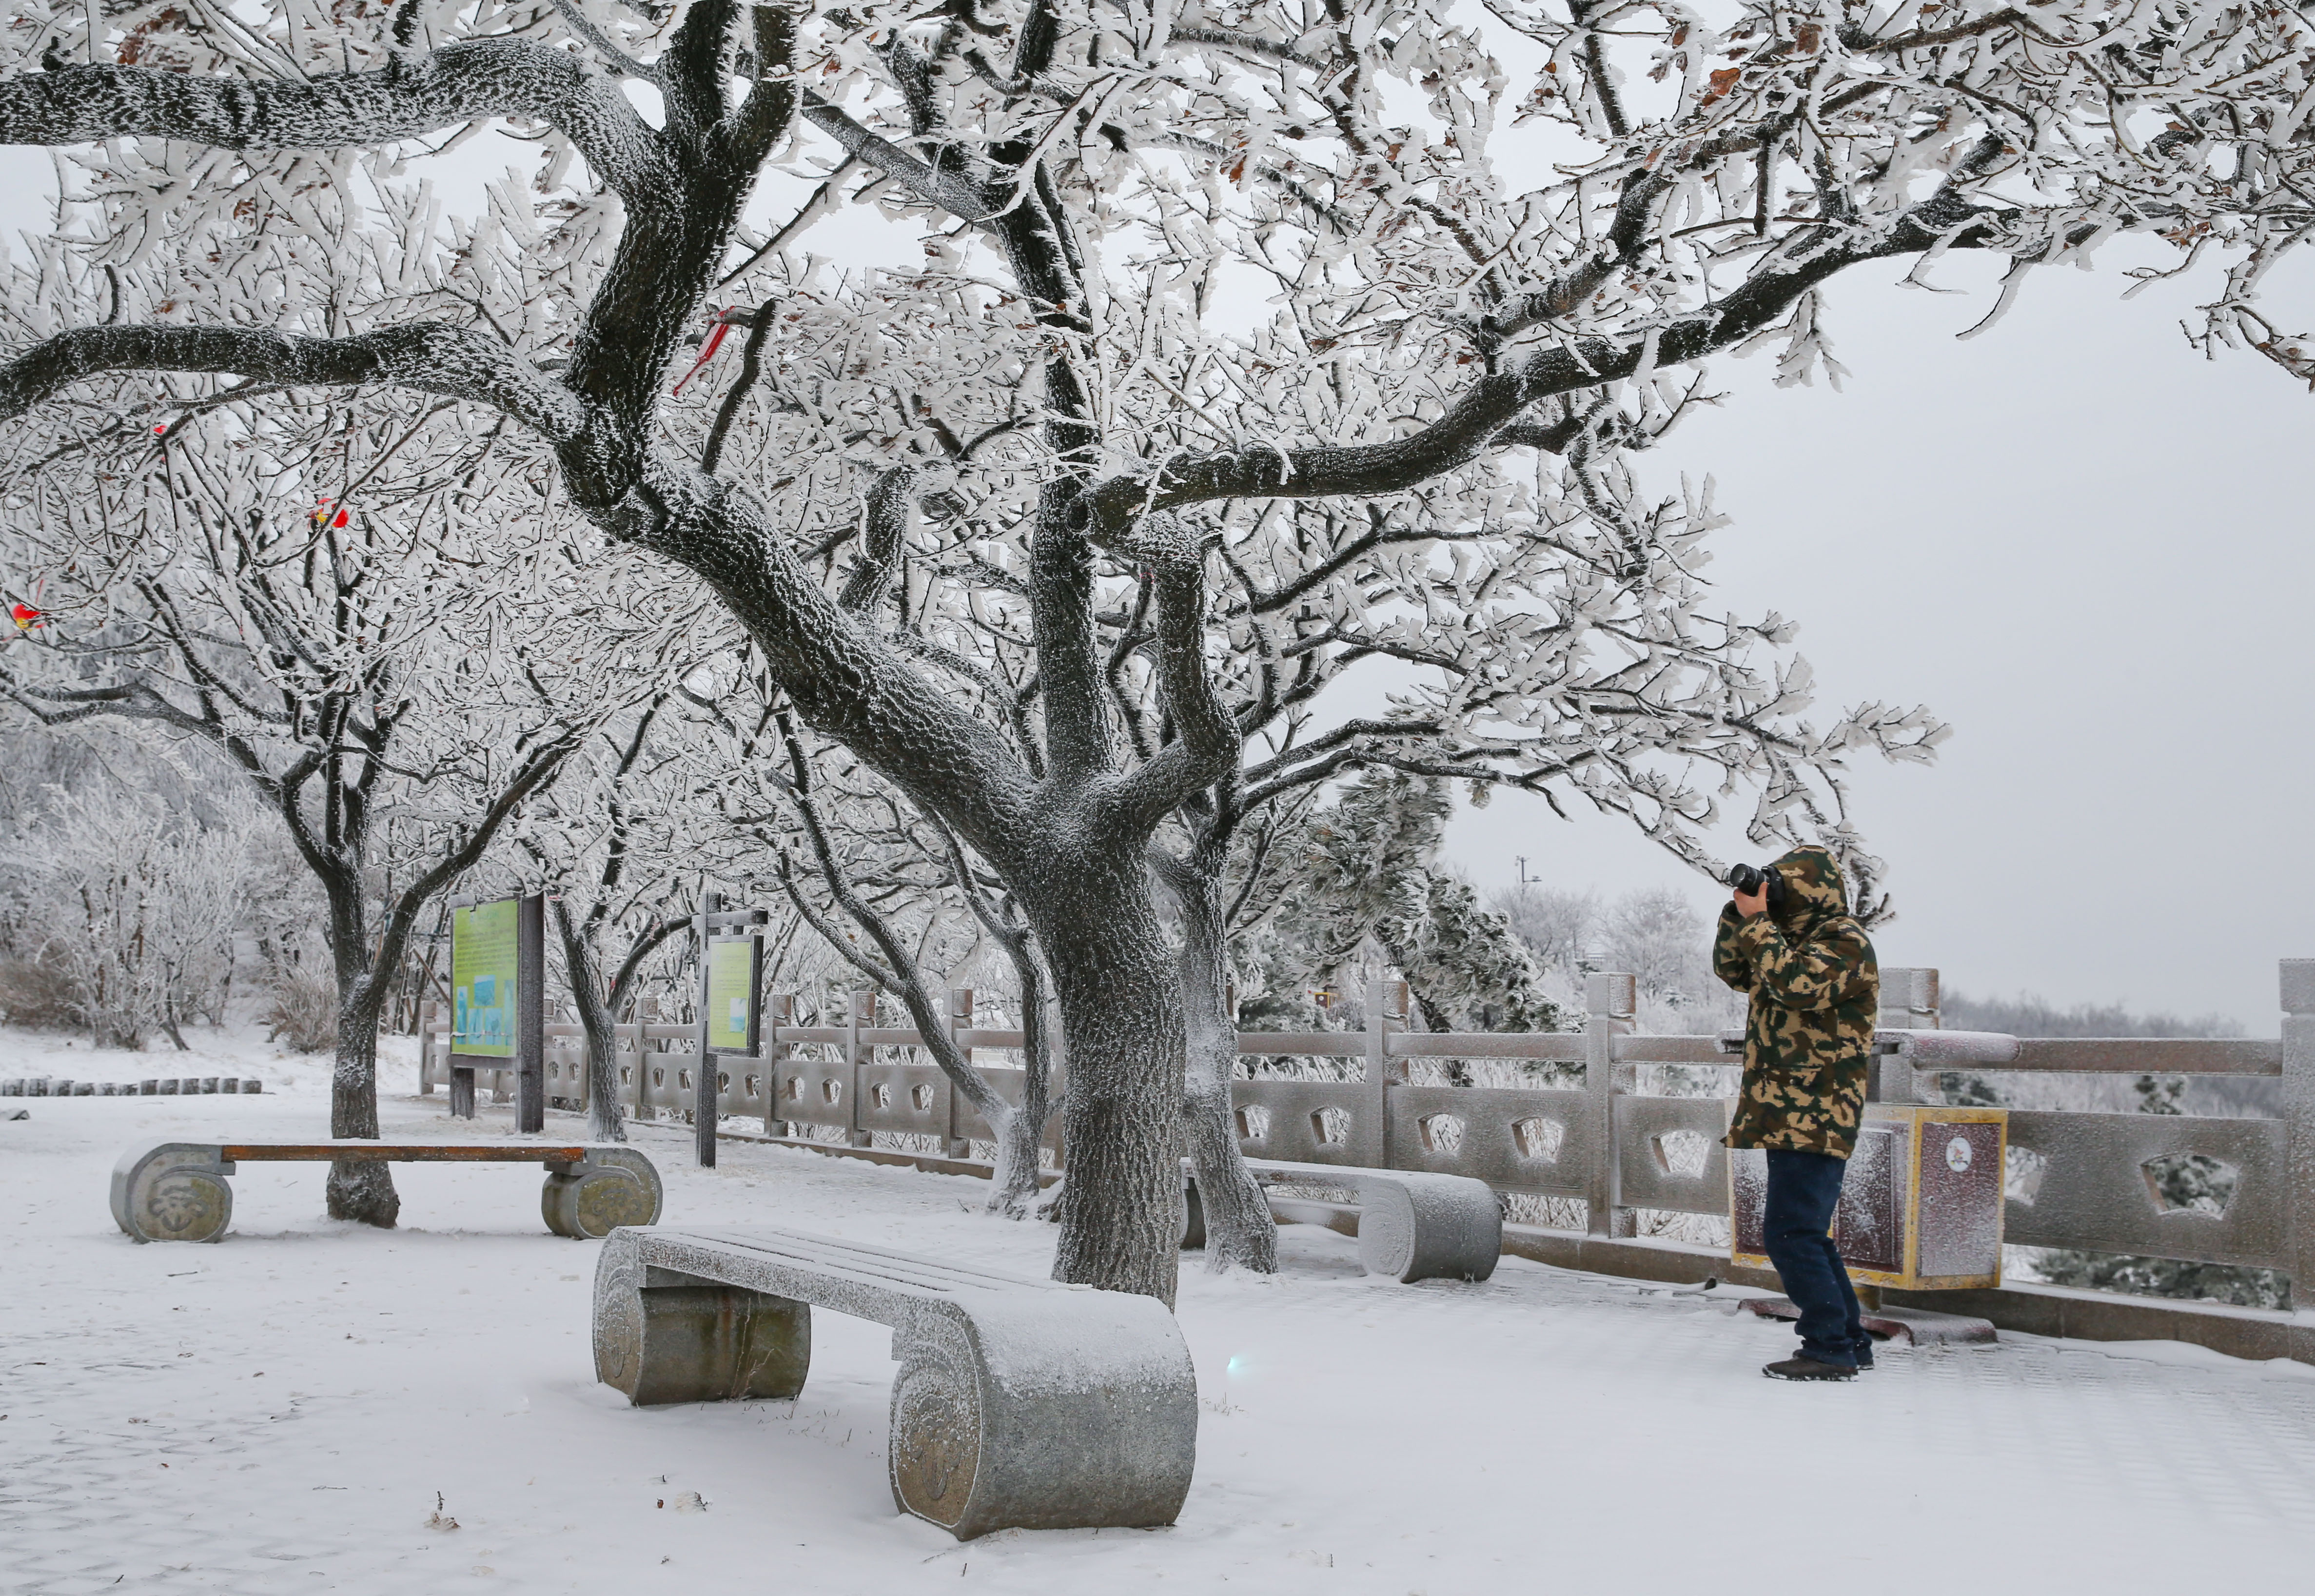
[
  {"x": 482, "y": 979},
  {"x": 731, "y": 994}
]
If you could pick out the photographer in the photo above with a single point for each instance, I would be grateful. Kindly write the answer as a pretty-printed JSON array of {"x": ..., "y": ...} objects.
[{"x": 1788, "y": 942}]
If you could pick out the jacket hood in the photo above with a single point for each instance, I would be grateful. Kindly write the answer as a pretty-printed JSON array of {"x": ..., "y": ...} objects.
[{"x": 1814, "y": 885}]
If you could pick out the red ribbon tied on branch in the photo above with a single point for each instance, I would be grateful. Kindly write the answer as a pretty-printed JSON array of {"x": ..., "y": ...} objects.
[
  {"x": 27, "y": 616},
  {"x": 722, "y": 321}
]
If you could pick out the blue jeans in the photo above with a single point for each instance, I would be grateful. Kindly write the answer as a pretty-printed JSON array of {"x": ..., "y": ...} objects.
[{"x": 1804, "y": 1188}]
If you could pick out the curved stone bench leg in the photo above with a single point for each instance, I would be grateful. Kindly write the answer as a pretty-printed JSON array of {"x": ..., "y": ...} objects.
[
  {"x": 663, "y": 1337},
  {"x": 175, "y": 1192},
  {"x": 1387, "y": 1230},
  {"x": 614, "y": 1186},
  {"x": 1044, "y": 1415},
  {"x": 1441, "y": 1230}
]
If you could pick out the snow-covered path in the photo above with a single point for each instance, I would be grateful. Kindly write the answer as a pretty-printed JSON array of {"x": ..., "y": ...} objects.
[{"x": 280, "y": 1412}]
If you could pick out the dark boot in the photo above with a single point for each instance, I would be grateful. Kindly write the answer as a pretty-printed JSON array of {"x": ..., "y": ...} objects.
[{"x": 1808, "y": 1368}]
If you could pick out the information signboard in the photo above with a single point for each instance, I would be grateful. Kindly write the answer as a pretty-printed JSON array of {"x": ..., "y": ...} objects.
[
  {"x": 733, "y": 966},
  {"x": 484, "y": 967}
]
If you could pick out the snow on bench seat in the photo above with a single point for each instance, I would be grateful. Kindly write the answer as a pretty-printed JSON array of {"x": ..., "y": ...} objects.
[{"x": 1019, "y": 1403}]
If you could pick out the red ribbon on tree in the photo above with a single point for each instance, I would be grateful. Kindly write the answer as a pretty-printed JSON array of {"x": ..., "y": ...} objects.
[{"x": 722, "y": 324}]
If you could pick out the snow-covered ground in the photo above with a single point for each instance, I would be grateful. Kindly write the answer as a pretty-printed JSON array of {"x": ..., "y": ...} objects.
[{"x": 293, "y": 1409}]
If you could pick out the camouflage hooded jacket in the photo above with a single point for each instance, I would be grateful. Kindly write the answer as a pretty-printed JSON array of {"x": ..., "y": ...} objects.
[{"x": 1816, "y": 991}]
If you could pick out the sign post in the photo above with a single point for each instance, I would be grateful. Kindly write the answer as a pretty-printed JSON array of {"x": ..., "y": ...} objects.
[
  {"x": 703, "y": 1084},
  {"x": 497, "y": 1009},
  {"x": 530, "y": 1016},
  {"x": 731, "y": 1007}
]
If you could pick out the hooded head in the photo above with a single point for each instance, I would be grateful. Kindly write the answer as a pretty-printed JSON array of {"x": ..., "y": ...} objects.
[{"x": 1814, "y": 885}]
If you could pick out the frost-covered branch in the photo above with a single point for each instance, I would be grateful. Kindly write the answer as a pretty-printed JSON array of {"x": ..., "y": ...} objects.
[
  {"x": 409, "y": 96},
  {"x": 431, "y": 358}
]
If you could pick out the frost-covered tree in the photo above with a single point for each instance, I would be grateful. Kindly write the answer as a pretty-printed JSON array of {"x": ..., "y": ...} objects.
[
  {"x": 1059, "y": 397},
  {"x": 1364, "y": 873},
  {"x": 613, "y": 842},
  {"x": 892, "y": 894},
  {"x": 1559, "y": 925},
  {"x": 1658, "y": 937},
  {"x": 289, "y": 584},
  {"x": 137, "y": 903}
]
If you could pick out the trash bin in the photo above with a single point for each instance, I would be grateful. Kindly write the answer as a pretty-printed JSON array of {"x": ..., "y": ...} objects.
[{"x": 1922, "y": 1205}]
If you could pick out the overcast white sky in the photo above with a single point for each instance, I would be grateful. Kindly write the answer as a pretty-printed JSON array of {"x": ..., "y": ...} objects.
[
  {"x": 2079, "y": 543},
  {"x": 2087, "y": 549}
]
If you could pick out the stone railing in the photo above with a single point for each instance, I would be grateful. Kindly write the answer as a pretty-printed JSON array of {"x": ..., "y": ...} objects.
[
  {"x": 826, "y": 1077},
  {"x": 2083, "y": 1179}
]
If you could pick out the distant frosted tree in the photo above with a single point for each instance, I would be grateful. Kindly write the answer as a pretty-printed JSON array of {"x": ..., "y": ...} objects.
[
  {"x": 2030, "y": 1014},
  {"x": 136, "y": 904},
  {"x": 615, "y": 842},
  {"x": 1657, "y": 935},
  {"x": 1559, "y": 925}
]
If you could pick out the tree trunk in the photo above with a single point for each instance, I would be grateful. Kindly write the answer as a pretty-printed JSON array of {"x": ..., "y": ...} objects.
[
  {"x": 363, "y": 1191},
  {"x": 1081, "y": 878},
  {"x": 1014, "y": 1181},
  {"x": 606, "y": 1115},
  {"x": 1121, "y": 1208},
  {"x": 1239, "y": 1228},
  {"x": 1019, "y": 1137}
]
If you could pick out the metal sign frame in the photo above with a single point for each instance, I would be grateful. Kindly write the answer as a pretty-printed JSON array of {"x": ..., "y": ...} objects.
[
  {"x": 527, "y": 1057},
  {"x": 752, "y": 1033},
  {"x": 707, "y": 1095}
]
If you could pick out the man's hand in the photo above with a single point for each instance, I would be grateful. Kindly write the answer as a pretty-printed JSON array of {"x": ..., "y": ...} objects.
[{"x": 1752, "y": 903}]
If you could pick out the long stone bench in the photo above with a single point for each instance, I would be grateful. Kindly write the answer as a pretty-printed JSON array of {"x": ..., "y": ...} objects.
[
  {"x": 188, "y": 1085},
  {"x": 1019, "y": 1403},
  {"x": 1412, "y": 1226},
  {"x": 178, "y": 1191}
]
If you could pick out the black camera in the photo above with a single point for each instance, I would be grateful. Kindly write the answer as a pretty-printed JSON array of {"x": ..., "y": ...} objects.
[{"x": 1749, "y": 879}]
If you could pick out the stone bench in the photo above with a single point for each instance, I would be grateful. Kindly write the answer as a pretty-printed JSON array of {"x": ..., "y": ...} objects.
[
  {"x": 1412, "y": 1226},
  {"x": 182, "y": 1085},
  {"x": 178, "y": 1190},
  {"x": 1019, "y": 1403}
]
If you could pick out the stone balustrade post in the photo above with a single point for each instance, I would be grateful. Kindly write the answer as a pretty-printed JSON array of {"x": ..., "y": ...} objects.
[
  {"x": 960, "y": 1021},
  {"x": 778, "y": 1011},
  {"x": 1386, "y": 1006},
  {"x": 1610, "y": 1001},
  {"x": 859, "y": 1012},
  {"x": 2298, "y": 983},
  {"x": 634, "y": 1099},
  {"x": 1909, "y": 1002}
]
